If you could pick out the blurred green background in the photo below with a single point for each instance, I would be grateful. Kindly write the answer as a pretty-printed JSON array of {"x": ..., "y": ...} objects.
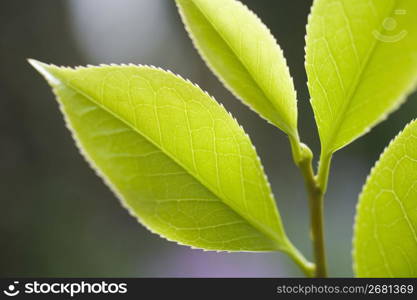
[{"x": 59, "y": 219}]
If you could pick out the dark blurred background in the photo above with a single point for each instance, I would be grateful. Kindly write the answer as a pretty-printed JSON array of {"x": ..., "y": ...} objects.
[{"x": 59, "y": 219}]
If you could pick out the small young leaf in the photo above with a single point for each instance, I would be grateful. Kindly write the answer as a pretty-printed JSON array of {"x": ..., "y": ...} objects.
[
  {"x": 385, "y": 239},
  {"x": 241, "y": 51},
  {"x": 176, "y": 158},
  {"x": 361, "y": 61}
]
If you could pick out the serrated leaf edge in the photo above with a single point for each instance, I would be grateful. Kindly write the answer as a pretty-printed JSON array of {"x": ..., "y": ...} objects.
[
  {"x": 395, "y": 106},
  {"x": 227, "y": 86},
  {"x": 359, "y": 203},
  {"x": 281, "y": 243}
]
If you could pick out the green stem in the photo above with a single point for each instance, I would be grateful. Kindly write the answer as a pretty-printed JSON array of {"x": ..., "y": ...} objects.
[
  {"x": 316, "y": 188},
  {"x": 317, "y": 214},
  {"x": 295, "y": 148},
  {"x": 317, "y": 232},
  {"x": 323, "y": 171},
  {"x": 307, "y": 267}
]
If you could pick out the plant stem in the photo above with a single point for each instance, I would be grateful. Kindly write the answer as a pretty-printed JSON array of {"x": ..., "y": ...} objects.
[
  {"x": 317, "y": 232},
  {"x": 307, "y": 267},
  {"x": 317, "y": 214},
  {"x": 323, "y": 172},
  {"x": 316, "y": 188}
]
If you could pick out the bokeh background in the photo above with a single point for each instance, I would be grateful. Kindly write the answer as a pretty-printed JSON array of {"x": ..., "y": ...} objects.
[{"x": 57, "y": 218}]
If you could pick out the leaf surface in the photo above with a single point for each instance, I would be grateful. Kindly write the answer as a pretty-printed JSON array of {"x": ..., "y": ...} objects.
[
  {"x": 241, "y": 51},
  {"x": 177, "y": 160},
  {"x": 385, "y": 238},
  {"x": 361, "y": 61}
]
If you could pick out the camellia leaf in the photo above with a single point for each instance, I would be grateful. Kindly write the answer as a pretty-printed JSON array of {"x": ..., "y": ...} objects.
[
  {"x": 178, "y": 161},
  {"x": 361, "y": 61},
  {"x": 385, "y": 239},
  {"x": 241, "y": 51}
]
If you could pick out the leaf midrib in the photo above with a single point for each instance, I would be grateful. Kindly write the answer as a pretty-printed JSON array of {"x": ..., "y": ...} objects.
[
  {"x": 281, "y": 125},
  {"x": 278, "y": 241},
  {"x": 354, "y": 88}
]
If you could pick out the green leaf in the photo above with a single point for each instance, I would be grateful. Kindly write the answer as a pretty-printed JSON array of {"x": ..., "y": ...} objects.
[
  {"x": 177, "y": 160},
  {"x": 385, "y": 239},
  {"x": 241, "y": 51},
  {"x": 361, "y": 61}
]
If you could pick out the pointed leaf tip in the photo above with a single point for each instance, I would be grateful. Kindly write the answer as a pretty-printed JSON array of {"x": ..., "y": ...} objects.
[
  {"x": 44, "y": 70},
  {"x": 175, "y": 157}
]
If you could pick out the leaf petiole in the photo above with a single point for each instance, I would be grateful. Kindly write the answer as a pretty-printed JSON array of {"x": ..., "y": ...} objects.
[{"x": 307, "y": 267}]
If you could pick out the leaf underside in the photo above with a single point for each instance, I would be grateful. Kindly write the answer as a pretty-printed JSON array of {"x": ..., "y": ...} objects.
[
  {"x": 385, "y": 238},
  {"x": 361, "y": 62},
  {"x": 241, "y": 51},
  {"x": 177, "y": 160}
]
